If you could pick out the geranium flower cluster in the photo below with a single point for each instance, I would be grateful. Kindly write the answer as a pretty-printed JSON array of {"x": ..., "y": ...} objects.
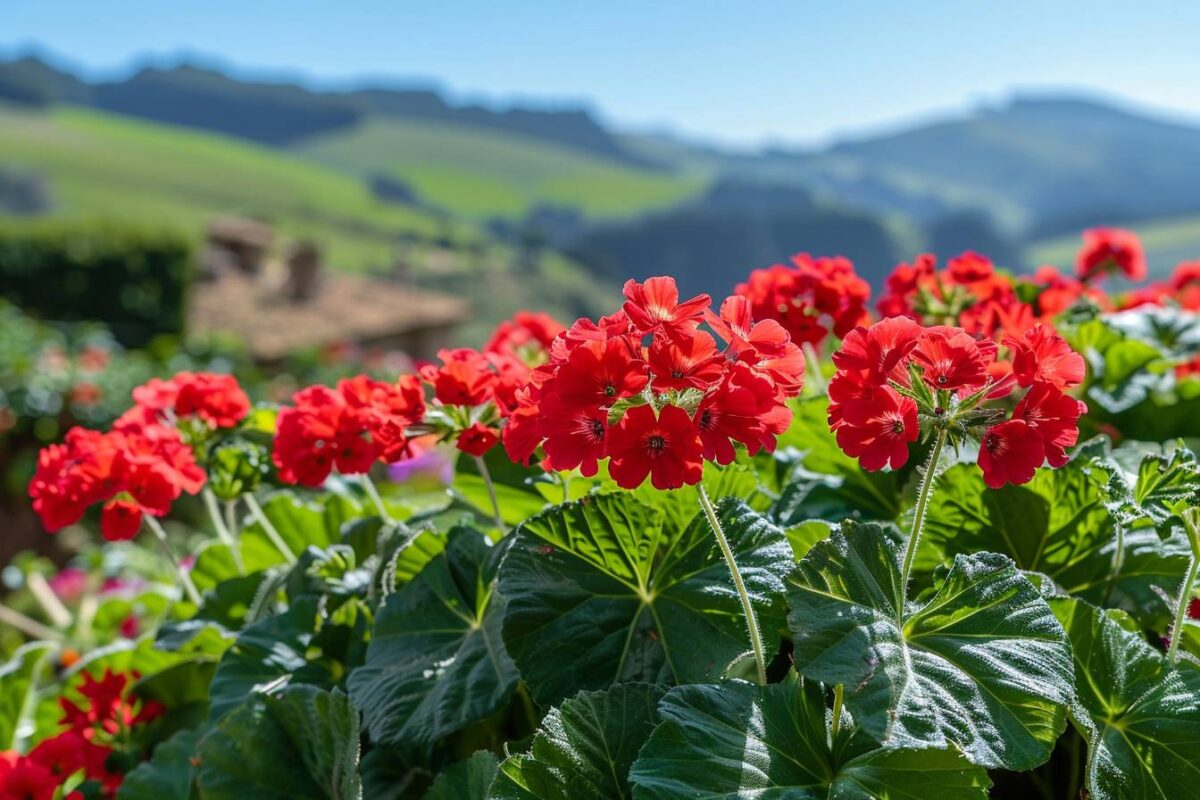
[
  {"x": 810, "y": 297},
  {"x": 653, "y": 392},
  {"x": 94, "y": 729},
  {"x": 969, "y": 293},
  {"x": 141, "y": 466},
  {"x": 362, "y": 421},
  {"x": 349, "y": 427},
  {"x": 897, "y": 379},
  {"x": 132, "y": 470}
]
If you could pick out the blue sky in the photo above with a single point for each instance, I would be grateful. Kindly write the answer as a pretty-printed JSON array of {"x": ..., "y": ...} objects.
[{"x": 739, "y": 72}]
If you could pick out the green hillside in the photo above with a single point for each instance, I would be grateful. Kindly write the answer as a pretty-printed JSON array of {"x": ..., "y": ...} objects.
[
  {"x": 1167, "y": 242},
  {"x": 482, "y": 173},
  {"x": 103, "y": 164}
]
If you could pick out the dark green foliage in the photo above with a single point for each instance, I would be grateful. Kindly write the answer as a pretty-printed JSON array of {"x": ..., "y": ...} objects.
[{"x": 131, "y": 279}]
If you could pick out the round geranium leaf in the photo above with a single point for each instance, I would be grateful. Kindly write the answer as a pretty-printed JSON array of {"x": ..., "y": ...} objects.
[
  {"x": 981, "y": 664},
  {"x": 1141, "y": 717},
  {"x": 584, "y": 749},
  {"x": 436, "y": 662},
  {"x": 606, "y": 590},
  {"x": 739, "y": 740}
]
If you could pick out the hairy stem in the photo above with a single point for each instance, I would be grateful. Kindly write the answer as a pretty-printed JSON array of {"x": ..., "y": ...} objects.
[
  {"x": 269, "y": 529},
  {"x": 491, "y": 490},
  {"x": 1189, "y": 580},
  {"x": 923, "y": 493},
  {"x": 223, "y": 532},
  {"x": 185, "y": 579},
  {"x": 376, "y": 498},
  {"x": 747, "y": 607}
]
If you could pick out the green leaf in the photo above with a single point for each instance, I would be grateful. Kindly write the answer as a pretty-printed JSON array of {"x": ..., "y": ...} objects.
[
  {"x": 466, "y": 780},
  {"x": 981, "y": 664},
  {"x": 1141, "y": 718},
  {"x": 170, "y": 774},
  {"x": 18, "y": 682},
  {"x": 603, "y": 591},
  {"x": 584, "y": 749},
  {"x": 436, "y": 662},
  {"x": 742, "y": 741},
  {"x": 301, "y": 744},
  {"x": 268, "y": 656}
]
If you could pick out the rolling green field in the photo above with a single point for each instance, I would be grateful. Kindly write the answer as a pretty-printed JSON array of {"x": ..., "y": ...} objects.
[
  {"x": 1167, "y": 242},
  {"x": 105, "y": 165},
  {"x": 483, "y": 173}
]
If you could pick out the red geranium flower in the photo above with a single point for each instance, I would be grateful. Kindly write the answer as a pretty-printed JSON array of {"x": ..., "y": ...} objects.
[
  {"x": 599, "y": 373},
  {"x": 25, "y": 779},
  {"x": 666, "y": 447},
  {"x": 1055, "y": 417},
  {"x": 575, "y": 436},
  {"x": 879, "y": 349},
  {"x": 218, "y": 400},
  {"x": 527, "y": 336},
  {"x": 477, "y": 438},
  {"x": 809, "y": 298},
  {"x": 744, "y": 408},
  {"x": 464, "y": 379},
  {"x": 690, "y": 362},
  {"x": 951, "y": 358},
  {"x": 1010, "y": 452},
  {"x": 1043, "y": 355},
  {"x": 878, "y": 432},
  {"x": 1107, "y": 250},
  {"x": 654, "y": 306}
]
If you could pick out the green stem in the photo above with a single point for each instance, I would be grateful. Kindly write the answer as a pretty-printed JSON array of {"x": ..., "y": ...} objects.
[
  {"x": 58, "y": 614},
  {"x": 376, "y": 498},
  {"x": 185, "y": 579},
  {"x": 839, "y": 693},
  {"x": 923, "y": 493},
  {"x": 1189, "y": 580},
  {"x": 269, "y": 529},
  {"x": 223, "y": 532},
  {"x": 813, "y": 372},
  {"x": 491, "y": 490},
  {"x": 28, "y": 625},
  {"x": 747, "y": 607}
]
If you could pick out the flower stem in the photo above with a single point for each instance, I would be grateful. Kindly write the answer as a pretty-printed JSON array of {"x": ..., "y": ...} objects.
[
  {"x": 813, "y": 371},
  {"x": 923, "y": 493},
  {"x": 223, "y": 532},
  {"x": 376, "y": 498},
  {"x": 59, "y": 616},
  {"x": 491, "y": 490},
  {"x": 269, "y": 529},
  {"x": 747, "y": 608},
  {"x": 28, "y": 625},
  {"x": 185, "y": 579},
  {"x": 1189, "y": 580},
  {"x": 839, "y": 693}
]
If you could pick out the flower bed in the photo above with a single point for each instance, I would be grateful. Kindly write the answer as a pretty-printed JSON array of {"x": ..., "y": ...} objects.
[{"x": 774, "y": 547}]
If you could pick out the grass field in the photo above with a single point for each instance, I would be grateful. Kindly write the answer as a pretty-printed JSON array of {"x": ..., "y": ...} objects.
[
  {"x": 482, "y": 173},
  {"x": 103, "y": 164},
  {"x": 1167, "y": 242}
]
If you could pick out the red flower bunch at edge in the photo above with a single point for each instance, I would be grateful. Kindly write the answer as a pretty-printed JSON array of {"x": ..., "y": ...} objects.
[
  {"x": 810, "y": 298},
  {"x": 656, "y": 395},
  {"x": 1109, "y": 250},
  {"x": 527, "y": 336},
  {"x": 351, "y": 427},
  {"x": 216, "y": 400},
  {"x": 897, "y": 380},
  {"x": 970, "y": 293},
  {"x": 133, "y": 470}
]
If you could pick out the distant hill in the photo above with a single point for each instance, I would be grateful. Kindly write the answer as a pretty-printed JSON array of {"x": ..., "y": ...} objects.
[
  {"x": 493, "y": 173},
  {"x": 282, "y": 113},
  {"x": 1040, "y": 165}
]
